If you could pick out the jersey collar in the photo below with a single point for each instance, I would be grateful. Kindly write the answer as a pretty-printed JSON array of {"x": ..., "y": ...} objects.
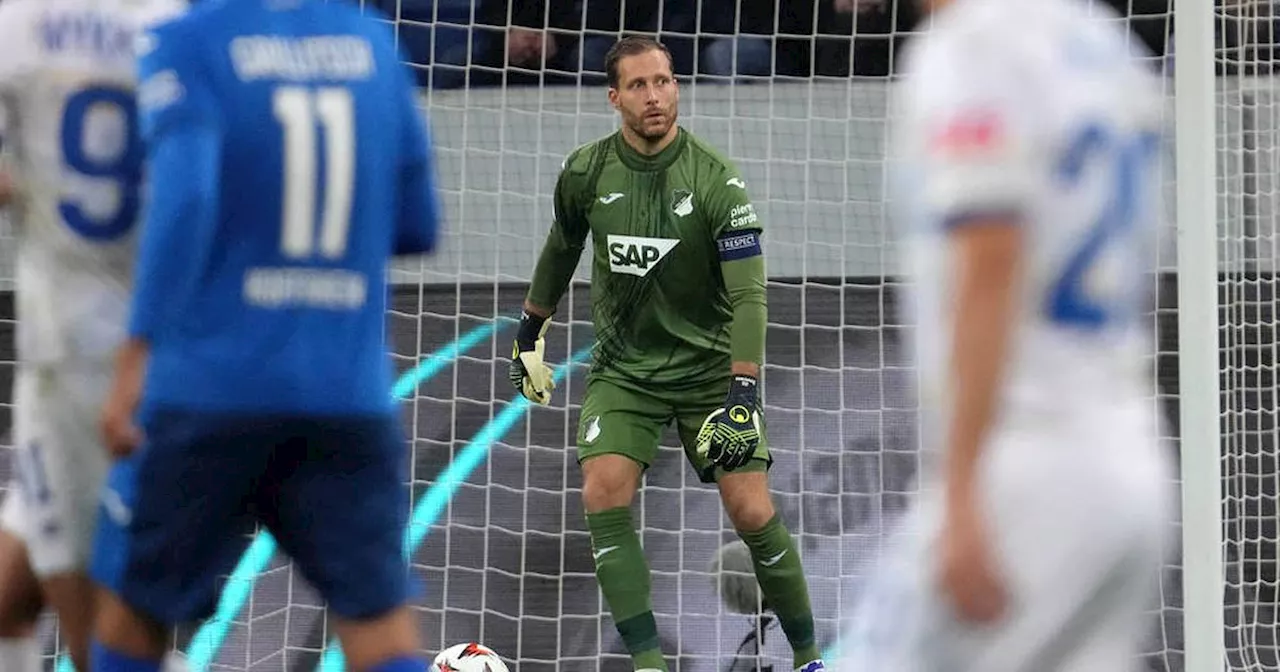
[{"x": 660, "y": 161}]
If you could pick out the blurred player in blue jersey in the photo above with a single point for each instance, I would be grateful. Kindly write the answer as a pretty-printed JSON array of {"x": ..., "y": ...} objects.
[{"x": 287, "y": 163}]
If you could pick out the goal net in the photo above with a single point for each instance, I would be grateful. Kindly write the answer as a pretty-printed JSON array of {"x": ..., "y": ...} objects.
[
  {"x": 797, "y": 98},
  {"x": 1249, "y": 161}
]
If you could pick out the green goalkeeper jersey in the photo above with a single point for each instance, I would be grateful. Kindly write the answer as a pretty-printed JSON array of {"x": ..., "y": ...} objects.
[{"x": 677, "y": 278}]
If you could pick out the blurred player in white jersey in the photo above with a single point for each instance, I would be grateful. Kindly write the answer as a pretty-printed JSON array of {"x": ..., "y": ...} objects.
[
  {"x": 1029, "y": 145},
  {"x": 70, "y": 176}
]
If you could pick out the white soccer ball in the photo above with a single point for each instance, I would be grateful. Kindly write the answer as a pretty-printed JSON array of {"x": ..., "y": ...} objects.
[{"x": 469, "y": 657}]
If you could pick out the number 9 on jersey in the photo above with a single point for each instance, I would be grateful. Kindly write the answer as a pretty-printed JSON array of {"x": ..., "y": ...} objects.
[{"x": 87, "y": 213}]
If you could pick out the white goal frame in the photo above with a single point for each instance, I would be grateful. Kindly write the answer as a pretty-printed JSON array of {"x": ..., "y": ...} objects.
[{"x": 1195, "y": 105}]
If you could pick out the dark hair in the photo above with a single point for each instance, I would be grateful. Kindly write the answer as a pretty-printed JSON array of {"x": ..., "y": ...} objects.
[{"x": 631, "y": 45}]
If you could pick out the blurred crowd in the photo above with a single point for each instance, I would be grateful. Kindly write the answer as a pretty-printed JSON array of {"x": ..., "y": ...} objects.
[{"x": 458, "y": 43}]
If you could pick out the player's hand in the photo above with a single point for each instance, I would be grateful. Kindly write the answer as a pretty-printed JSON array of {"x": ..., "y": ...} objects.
[
  {"x": 730, "y": 435},
  {"x": 969, "y": 577},
  {"x": 529, "y": 374},
  {"x": 119, "y": 431}
]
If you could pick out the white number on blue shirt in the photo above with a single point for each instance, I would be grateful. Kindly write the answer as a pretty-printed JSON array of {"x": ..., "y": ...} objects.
[
  {"x": 1129, "y": 160},
  {"x": 123, "y": 168},
  {"x": 298, "y": 110}
]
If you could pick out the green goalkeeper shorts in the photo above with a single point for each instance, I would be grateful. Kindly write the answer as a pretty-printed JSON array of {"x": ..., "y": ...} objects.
[{"x": 627, "y": 418}]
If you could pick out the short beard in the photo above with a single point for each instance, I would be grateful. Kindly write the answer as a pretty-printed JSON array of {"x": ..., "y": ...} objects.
[{"x": 650, "y": 136}]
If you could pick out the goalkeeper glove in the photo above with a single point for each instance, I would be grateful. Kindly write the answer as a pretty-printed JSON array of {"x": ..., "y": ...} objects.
[
  {"x": 528, "y": 373},
  {"x": 730, "y": 435}
]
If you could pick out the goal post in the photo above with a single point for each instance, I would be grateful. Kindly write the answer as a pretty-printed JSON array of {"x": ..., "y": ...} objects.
[{"x": 1200, "y": 442}]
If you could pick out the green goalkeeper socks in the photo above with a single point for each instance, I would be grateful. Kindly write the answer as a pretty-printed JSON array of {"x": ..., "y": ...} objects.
[
  {"x": 782, "y": 583},
  {"x": 623, "y": 575}
]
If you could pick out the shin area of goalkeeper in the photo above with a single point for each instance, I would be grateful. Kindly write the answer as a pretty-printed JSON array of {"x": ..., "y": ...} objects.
[
  {"x": 678, "y": 305},
  {"x": 1029, "y": 191}
]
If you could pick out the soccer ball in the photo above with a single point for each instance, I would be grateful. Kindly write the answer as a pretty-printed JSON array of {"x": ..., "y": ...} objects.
[{"x": 469, "y": 657}]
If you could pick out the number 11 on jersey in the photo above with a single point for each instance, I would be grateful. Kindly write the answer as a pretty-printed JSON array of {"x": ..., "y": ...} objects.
[{"x": 299, "y": 110}]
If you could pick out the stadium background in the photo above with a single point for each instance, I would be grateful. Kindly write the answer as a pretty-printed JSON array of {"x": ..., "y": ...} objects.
[{"x": 507, "y": 561}]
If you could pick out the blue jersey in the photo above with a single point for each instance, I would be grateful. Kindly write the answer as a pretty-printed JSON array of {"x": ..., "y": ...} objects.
[{"x": 287, "y": 163}]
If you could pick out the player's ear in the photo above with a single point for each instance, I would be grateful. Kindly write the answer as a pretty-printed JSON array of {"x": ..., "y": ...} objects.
[{"x": 613, "y": 97}]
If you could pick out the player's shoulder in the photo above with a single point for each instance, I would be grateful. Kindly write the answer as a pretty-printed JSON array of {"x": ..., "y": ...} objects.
[
  {"x": 233, "y": 16},
  {"x": 194, "y": 21},
  {"x": 364, "y": 20},
  {"x": 32, "y": 29},
  {"x": 21, "y": 52},
  {"x": 31, "y": 12},
  {"x": 358, "y": 13},
  {"x": 222, "y": 21},
  {"x": 968, "y": 51},
  {"x": 979, "y": 33},
  {"x": 12, "y": 9},
  {"x": 1048, "y": 32},
  {"x": 582, "y": 159},
  {"x": 15, "y": 14},
  {"x": 964, "y": 35},
  {"x": 706, "y": 156}
]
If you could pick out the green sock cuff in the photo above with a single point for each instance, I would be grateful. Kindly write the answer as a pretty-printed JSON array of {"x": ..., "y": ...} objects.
[
  {"x": 649, "y": 660},
  {"x": 640, "y": 635}
]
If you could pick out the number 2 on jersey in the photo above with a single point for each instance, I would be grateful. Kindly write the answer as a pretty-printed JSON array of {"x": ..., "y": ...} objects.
[
  {"x": 122, "y": 167},
  {"x": 298, "y": 109},
  {"x": 1129, "y": 160}
]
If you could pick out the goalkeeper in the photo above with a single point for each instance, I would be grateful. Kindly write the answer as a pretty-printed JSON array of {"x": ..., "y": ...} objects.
[{"x": 678, "y": 303}]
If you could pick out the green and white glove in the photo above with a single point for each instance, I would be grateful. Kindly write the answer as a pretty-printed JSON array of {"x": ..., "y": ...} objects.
[
  {"x": 730, "y": 435},
  {"x": 528, "y": 373}
]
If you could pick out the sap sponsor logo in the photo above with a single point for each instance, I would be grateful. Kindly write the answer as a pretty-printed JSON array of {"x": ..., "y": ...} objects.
[
  {"x": 637, "y": 256},
  {"x": 742, "y": 216}
]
